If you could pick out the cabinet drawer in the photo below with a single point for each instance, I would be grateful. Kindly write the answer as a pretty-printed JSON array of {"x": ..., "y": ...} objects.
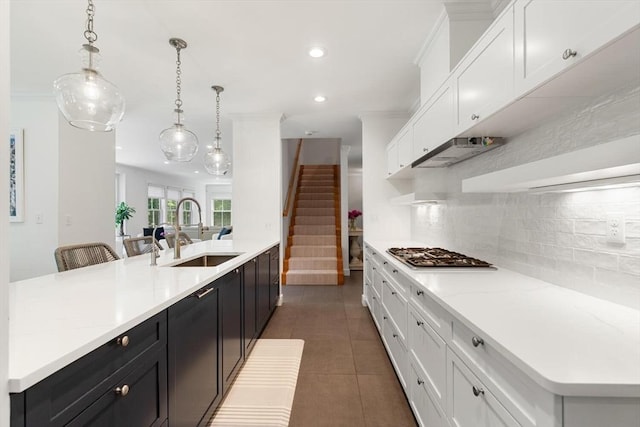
[
  {"x": 62, "y": 395},
  {"x": 429, "y": 352},
  {"x": 137, "y": 399},
  {"x": 426, "y": 411},
  {"x": 396, "y": 349},
  {"x": 432, "y": 312},
  {"x": 376, "y": 311},
  {"x": 377, "y": 281},
  {"x": 470, "y": 403},
  {"x": 393, "y": 274},
  {"x": 519, "y": 394},
  {"x": 396, "y": 306}
]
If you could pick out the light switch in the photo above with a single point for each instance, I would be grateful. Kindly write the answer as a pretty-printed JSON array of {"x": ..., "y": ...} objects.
[{"x": 39, "y": 218}]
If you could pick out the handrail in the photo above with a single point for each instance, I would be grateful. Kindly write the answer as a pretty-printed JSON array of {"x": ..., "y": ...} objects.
[{"x": 287, "y": 204}]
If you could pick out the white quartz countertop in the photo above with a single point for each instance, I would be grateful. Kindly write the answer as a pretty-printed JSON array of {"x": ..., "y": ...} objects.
[
  {"x": 58, "y": 318},
  {"x": 570, "y": 343}
]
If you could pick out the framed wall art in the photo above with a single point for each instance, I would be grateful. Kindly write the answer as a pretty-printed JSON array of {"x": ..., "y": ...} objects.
[{"x": 16, "y": 176}]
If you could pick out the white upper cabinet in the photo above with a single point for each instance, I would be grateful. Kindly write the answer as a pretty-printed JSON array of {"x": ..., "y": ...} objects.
[
  {"x": 405, "y": 148},
  {"x": 392, "y": 157},
  {"x": 483, "y": 82},
  {"x": 434, "y": 122},
  {"x": 552, "y": 35}
]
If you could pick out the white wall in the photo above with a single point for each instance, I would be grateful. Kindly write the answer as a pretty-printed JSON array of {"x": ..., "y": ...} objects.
[
  {"x": 381, "y": 221},
  {"x": 136, "y": 183},
  {"x": 355, "y": 192},
  {"x": 320, "y": 151},
  {"x": 257, "y": 182},
  {"x": 32, "y": 240},
  {"x": 557, "y": 237},
  {"x": 85, "y": 185},
  {"x": 4, "y": 215}
]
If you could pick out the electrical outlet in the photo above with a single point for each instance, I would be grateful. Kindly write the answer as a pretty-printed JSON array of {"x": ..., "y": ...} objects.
[
  {"x": 38, "y": 218},
  {"x": 615, "y": 228}
]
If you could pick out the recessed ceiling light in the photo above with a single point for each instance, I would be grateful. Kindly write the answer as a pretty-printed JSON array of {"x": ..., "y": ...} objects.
[
  {"x": 118, "y": 147},
  {"x": 320, "y": 98},
  {"x": 166, "y": 162},
  {"x": 317, "y": 52},
  {"x": 310, "y": 132},
  {"x": 196, "y": 171}
]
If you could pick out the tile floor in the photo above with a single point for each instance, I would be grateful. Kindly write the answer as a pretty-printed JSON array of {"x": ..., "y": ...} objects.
[{"x": 345, "y": 378}]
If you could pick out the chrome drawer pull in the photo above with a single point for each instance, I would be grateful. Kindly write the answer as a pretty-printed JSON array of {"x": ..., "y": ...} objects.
[
  {"x": 424, "y": 150},
  {"x": 123, "y": 341},
  {"x": 254, "y": 260},
  {"x": 420, "y": 382},
  {"x": 419, "y": 323},
  {"x": 384, "y": 317},
  {"x": 393, "y": 292},
  {"x": 237, "y": 270},
  {"x": 476, "y": 341},
  {"x": 395, "y": 271},
  {"x": 122, "y": 391},
  {"x": 373, "y": 268},
  {"x": 419, "y": 293},
  {"x": 568, "y": 54},
  {"x": 385, "y": 263},
  {"x": 475, "y": 117},
  {"x": 384, "y": 281},
  {"x": 203, "y": 293},
  {"x": 395, "y": 335},
  {"x": 477, "y": 391}
]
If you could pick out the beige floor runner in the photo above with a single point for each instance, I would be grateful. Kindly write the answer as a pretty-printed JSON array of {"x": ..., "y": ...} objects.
[{"x": 262, "y": 394}]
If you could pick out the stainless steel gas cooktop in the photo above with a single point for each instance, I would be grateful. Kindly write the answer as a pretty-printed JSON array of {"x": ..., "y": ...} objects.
[{"x": 436, "y": 257}]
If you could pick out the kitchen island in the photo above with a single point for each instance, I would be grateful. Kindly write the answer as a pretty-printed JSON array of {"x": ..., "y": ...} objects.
[
  {"x": 61, "y": 319},
  {"x": 476, "y": 347}
]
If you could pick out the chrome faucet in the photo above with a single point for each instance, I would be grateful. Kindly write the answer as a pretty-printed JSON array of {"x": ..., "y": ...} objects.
[
  {"x": 176, "y": 246},
  {"x": 154, "y": 247}
]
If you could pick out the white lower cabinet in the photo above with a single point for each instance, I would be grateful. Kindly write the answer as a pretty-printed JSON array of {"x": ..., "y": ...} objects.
[
  {"x": 395, "y": 348},
  {"x": 423, "y": 403},
  {"x": 470, "y": 403}
]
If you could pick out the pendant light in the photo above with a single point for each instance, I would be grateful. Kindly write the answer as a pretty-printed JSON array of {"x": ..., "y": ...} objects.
[
  {"x": 177, "y": 142},
  {"x": 86, "y": 99},
  {"x": 216, "y": 161}
]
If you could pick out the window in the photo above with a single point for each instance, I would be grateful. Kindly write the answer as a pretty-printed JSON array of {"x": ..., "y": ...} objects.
[
  {"x": 155, "y": 201},
  {"x": 187, "y": 208},
  {"x": 221, "y": 212},
  {"x": 173, "y": 197}
]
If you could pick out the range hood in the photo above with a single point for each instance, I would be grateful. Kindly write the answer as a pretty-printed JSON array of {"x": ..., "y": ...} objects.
[{"x": 456, "y": 150}]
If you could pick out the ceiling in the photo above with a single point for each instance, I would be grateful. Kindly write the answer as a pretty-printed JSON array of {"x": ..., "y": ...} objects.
[{"x": 256, "y": 49}]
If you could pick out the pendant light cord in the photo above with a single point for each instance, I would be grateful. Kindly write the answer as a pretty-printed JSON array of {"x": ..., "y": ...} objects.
[
  {"x": 217, "y": 119},
  {"x": 178, "y": 80},
  {"x": 89, "y": 34}
]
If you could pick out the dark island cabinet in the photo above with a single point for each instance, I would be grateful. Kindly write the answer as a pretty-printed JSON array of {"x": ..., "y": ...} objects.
[
  {"x": 231, "y": 307},
  {"x": 263, "y": 309},
  {"x": 249, "y": 300},
  {"x": 274, "y": 278},
  {"x": 194, "y": 384},
  {"x": 122, "y": 380},
  {"x": 172, "y": 369}
]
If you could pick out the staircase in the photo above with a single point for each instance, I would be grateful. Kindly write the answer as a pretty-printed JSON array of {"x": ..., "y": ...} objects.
[{"x": 314, "y": 253}]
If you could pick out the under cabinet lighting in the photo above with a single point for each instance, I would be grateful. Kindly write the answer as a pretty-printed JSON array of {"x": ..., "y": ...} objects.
[
  {"x": 595, "y": 184},
  {"x": 317, "y": 52},
  {"x": 320, "y": 98}
]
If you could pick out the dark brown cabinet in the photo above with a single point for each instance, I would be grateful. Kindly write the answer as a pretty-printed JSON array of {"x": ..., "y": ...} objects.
[
  {"x": 263, "y": 309},
  {"x": 230, "y": 288},
  {"x": 194, "y": 385},
  {"x": 274, "y": 277},
  {"x": 249, "y": 300}
]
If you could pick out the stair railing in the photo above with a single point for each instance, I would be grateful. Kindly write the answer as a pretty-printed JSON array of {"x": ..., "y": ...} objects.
[{"x": 292, "y": 181}]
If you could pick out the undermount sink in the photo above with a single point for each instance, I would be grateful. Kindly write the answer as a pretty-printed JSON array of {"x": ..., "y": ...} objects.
[{"x": 206, "y": 261}]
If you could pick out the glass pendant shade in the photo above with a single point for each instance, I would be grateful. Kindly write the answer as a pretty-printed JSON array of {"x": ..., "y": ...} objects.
[
  {"x": 86, "y": 99},
  {"x": 216, "y": 161},
  {"x": 178, "y": 143}
]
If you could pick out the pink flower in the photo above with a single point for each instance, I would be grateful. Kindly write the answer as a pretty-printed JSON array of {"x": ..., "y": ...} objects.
[{"x": 353, "y": 214}]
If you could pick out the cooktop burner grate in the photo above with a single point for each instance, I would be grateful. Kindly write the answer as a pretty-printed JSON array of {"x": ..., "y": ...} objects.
[{"x": 435, "y": 257}]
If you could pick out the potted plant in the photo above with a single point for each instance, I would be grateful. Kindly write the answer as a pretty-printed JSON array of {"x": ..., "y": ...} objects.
[{"x": 123, "y": 212}]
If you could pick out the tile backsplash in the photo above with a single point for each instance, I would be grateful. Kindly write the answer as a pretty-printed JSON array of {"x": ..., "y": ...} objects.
[{"x": 556, "y": 237}]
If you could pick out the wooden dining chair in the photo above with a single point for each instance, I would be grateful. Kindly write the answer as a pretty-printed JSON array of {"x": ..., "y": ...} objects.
[
  {"x": 140, "y": 245},
  {"x": 81, "y": 255}
]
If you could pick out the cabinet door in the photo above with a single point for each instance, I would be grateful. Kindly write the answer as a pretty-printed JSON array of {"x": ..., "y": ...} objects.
[
  {"x": 484, "y": 80},
  {"x": 231, "y": 318},
  {"x": 249, "y": 299},
  {"x": 274, "y": 281},
  {"x": 424, "y": 406},
  {"x": 405, "y": 147},
  {"x": 470, "y": 404},
  {"x": 139, "y": 399},
  {"x": 262, "y": 309},
  {"x": 434, "y": 124},
  {"x": 194, "y": 389},
  {"x": 392, "y": 158},
  {"x": 546, "y": 29}
]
